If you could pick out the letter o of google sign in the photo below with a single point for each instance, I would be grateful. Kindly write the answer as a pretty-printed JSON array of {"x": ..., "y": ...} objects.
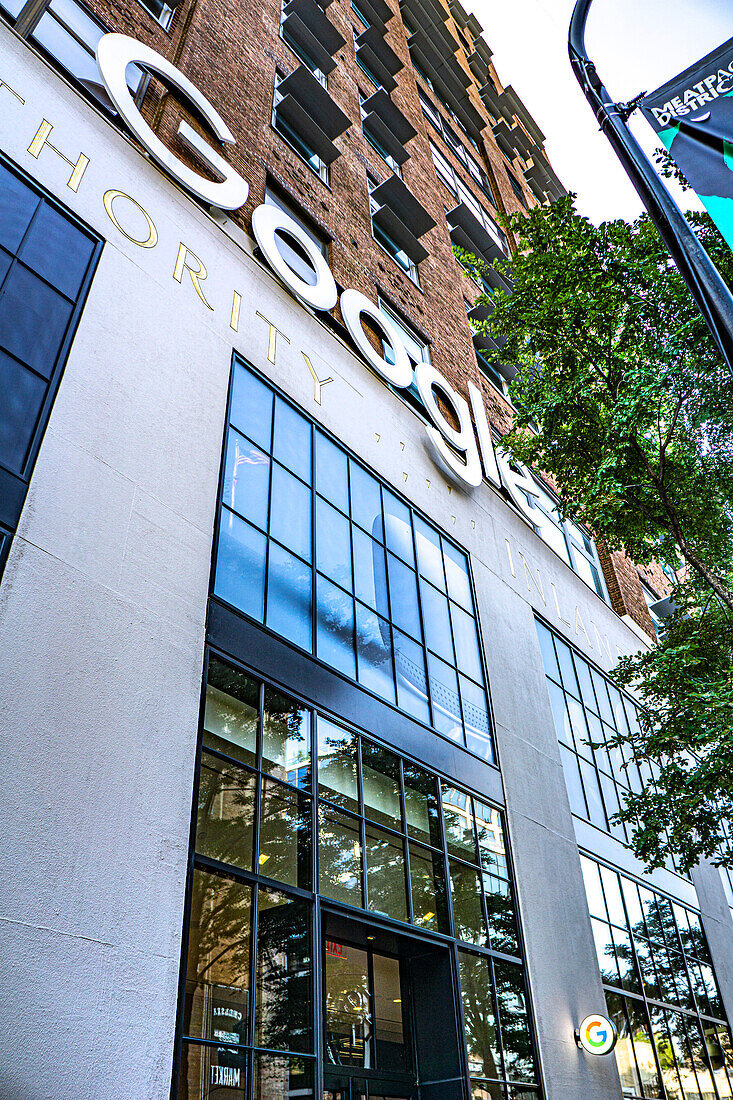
[{"x": 596, "y": 1035}]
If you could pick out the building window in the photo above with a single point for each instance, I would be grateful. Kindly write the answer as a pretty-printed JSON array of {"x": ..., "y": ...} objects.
[
  {"x": 651, "y": 598},
  {"x": 457, "y": 147},
  {"x": 569, "y": 541},
  {"x": 661, "y": 990},
  {"x": 299, "y": 48},
  {"x": 283, "y": 790},
  {"x": 374, "y": 140},
  {"x": 294, "y": 255},
  {"x": 448, "y": 175},
  {"x": 490, "y": 372},
  {"x": 382, "y": 237},
  {"x": 68, "y": 33},
  {"x": 589, "y": 710},
  {"x": 363, "y": 65},
  {"x": 517, "y": 187},
  {"x": 297, "y": 141},
  {"x": 47, "y": 259},
  {"x": 159, "y": 11},
  {"x": 316, "y": 548}
]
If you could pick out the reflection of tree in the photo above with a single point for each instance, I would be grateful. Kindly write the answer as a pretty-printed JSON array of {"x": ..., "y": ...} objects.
[
  {"x": 284, "y": 974},
  {"x": 500, "y": 910},
  {"x": 480, "y": 1025},
  {"x": 515, "y": 1033}
]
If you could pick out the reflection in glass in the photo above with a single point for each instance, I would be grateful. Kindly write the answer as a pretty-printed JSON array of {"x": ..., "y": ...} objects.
[
  {"x": 291, "y": 441},
  {"x": 349, "y": 1025},
  {"x": 251, "y": 409},
  {"x": 290, "y": 512},
  {"x": 286, "y": 749},
  {"x": 246, "y": 486},
  {"x": 605, "y": 952},
  {"x": 500, "y": 912},
  {"x": 490, "y": 832},
  {"x": 385, "y": 861},
  {"x": 389, "y": 1034},
  {"x": 337, "y": 779},
  {"x": 445, "y": 699},
  {"x": 224, "y": 828},
  {"x": 514, "y": 1022},
  {"x": 370, "y": 575},
  {"x": 478, "y": 1016},
  {"x": 333, "y": 544},
  {"x": 332, "y": 472},
  {"x": 217, "y": 975},
  {"x": 335, "y": 627},
  {"x": 468, "y": 656},
  {"x": 374, "y": 653},
  {"x": 468, "y": 917},
  {"x": 278, "y": 1078},
  {"x": 283, "y": 997},
  {"x": 403, "y": 597},
  {"x": 339, "y": 853},
  {"x": 366, "y": 501},
  {"x": 412, "y": 685},
  {"x": 285, "y": 835},
  {"x": 456, "y": 572},
  {"x": 427, "y": 882},
  {"x": 624, "y": 1047},
  {"x": 209, "y": 1073},
  {"x": 240, "y": 565},
  {"x": 423, "y": 807},
  {"x": 436, "y": 621},
  {"x": 381, "y": 785},
  {"x": 289, "y": 598},
  {"x": 458, "y": 821},
  {"x": 231, "y": 712}
]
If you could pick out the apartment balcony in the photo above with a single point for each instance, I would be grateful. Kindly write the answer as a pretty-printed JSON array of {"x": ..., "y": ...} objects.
[
  {"x": 308, "y": 107},
  {"x": 479, "y": 236},
  {"x": 378, "y": 56},
  {"x": 388, "y": 124},
  {"x": 542, "y": 179},
  {"x": 513, "y": 139},
  {"x": 378, "y": 12},
  {"x": 512, "y": 107},
  {"x": 305, "y": 23},
  {"x": 401, "y": 215}
]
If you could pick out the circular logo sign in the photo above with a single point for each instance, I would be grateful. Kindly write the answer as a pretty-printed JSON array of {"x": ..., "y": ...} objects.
[{"x": 597, "y": 1035}]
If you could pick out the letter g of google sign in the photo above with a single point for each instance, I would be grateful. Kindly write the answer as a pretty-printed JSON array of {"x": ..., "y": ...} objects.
[{"x": 596, "y": 1035}]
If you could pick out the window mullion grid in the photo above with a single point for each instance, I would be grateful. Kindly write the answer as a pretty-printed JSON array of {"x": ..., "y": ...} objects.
[
  {"x": 424, "y": 644},
  {"x": 254, "y": 923},
  {"x": 314, "y": 572},
  {"x": 406, "y": 840},
  {"x": 362, "y": 825},
  {"x": 389, "y": 596},
  {"x": 498, "y": 1029},
  {"x": 30, "y": 16}
]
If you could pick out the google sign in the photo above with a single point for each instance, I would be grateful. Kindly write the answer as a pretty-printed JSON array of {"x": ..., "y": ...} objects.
[{"x": 596, "y": 1035}]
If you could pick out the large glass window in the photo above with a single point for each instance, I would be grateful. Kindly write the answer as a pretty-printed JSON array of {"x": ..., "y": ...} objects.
[
  {"x": 299, "y": 141},
  {"x": 46, "y": 260},
  {"x": 456, "y": 146},
  {"x": 314, "y": 546},
  {"x": 674, "y": 1040},
  {"x": 589, "y": 711},
  {"x": 282, "y": 790}
]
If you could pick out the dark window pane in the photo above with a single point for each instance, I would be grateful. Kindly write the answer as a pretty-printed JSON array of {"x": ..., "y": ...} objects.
[
  {"x": 225, "y": 823},
  {"x": 429, "y": 554},
  {"x": 349, "y": 1038},
  {"x": 635, "y": 916},
  {"x": 436, "y": 621},
  {"x": 240, "y": 565},
  {"x": 231, "y": 712},
  {"x": 665, "y": 1054},
  {"x": 398, "y": 528},
  {"x": 339, "y": 855},
  {"x": 292, "y": 440},
  {"x": 366, "y": 500},
  {"x": 514, "y": 1022},
  {"x": 335, "y": 626},
  {"x": 212, "y": 1073},
  {"x": 456, "y": 573},
  {"x": 251, "y": 409},
  {"x": 374, "y": 653},
  {"x": 625, "y": 957},
  {"x": 289, "y": 585},
  {"x": 501, "y": 914},
  {"x": 57, "y": 251},
  {"x": 290, "y": 512},
  {"x": 332, "y": 472},
  {"x": 247, "y": 479},
  {"x": 645, "y": 957},
  {"x": 468, "y": 917},
  {"x": 284, "y": 1011},
  {"x": 412, "y": 688},
  {"x": 445, "y": 700},
  {"x": 385, "y": 862},
  {"x": 643, "y": 1048},
  {"x": 23, "y": 394},
  {"x": 33, "y": 320},
  {"x": 285, "y": 835},
  {"x": 389, "y": 1033},
  {"x": 403, "y": 597},
  {"x": 17, "y": 205},
  {"x": 370, "y": 575},
  {"x": 217, "y": 976},
  {"x": 286, "y": 741},
  {"x": 333, "y": 544},
  {"x": 423, "y": 807},
  {"x": 5, "y": 261},
  {"x": 381, "y": 785},
  {"x": 478, "y": 1016},
  {"x": 337, "y": 765},
  {"x": 427, "y": 882},
  {"x": 279, "y": 1078}
]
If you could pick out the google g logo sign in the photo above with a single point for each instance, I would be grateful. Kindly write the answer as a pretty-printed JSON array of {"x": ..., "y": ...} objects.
[{"x": 596, "y": 1035}]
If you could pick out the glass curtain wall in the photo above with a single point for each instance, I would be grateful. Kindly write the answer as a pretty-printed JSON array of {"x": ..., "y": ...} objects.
[
  {"x": 290, "y": 805},
  {"x": 674, "y": 1040},
  {"x": 325, "y": 555},
  {"x": 588, "y": 711}
]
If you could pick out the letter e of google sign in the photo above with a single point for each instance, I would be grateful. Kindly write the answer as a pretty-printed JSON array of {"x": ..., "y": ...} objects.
[{"x": 596, "y": 1035}]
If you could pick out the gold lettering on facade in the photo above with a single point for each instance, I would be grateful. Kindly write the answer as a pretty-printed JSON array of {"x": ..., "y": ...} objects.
[
  {"x": 236, "y": 306},
  {"x": 509, "y": 555},
  {"x": 12, "y": 91},
  {"x": 580, "y": 624},
  {"x": 473, "y": 524},
  {"x": 109, "y": 200},
  {"x": 198, "y": 274},
  {"x": 404, "y": 476},
  {"x": 402, "y": 446},
  {"x": 427, "y": 482},
  {"x": 318, "y": 383},
  {"x": 377, "y": 436},
  {"x": 557, "y": 606},
  {"x": 272, "y": 341},
  {"x": 41, "y": 139},
  {"x": 529, "y": 576},
  {"x": 453, "y": 519}
]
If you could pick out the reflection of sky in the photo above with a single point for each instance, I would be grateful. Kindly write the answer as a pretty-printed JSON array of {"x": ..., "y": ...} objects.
[{"x": 636, "y": 47}]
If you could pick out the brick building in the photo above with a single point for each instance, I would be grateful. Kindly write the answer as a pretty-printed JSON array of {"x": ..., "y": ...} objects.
[{"x": 299, "y": 676}]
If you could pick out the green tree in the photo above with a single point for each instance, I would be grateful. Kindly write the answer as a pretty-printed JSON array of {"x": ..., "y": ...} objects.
[{"x": 623, "y": 399}]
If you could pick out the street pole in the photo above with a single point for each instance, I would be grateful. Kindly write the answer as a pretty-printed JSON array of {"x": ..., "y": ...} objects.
[{"x": 712, "y": 296}]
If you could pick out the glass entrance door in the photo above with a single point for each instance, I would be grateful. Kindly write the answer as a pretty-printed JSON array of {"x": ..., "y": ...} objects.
[{"x": 367, "y": 1052}]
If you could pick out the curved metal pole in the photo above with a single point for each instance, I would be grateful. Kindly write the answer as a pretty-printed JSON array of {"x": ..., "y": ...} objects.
[{"x": 712, "y": 296}]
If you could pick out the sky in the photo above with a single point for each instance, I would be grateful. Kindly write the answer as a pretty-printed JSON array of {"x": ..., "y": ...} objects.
[{"x": 637, "y": 45}]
